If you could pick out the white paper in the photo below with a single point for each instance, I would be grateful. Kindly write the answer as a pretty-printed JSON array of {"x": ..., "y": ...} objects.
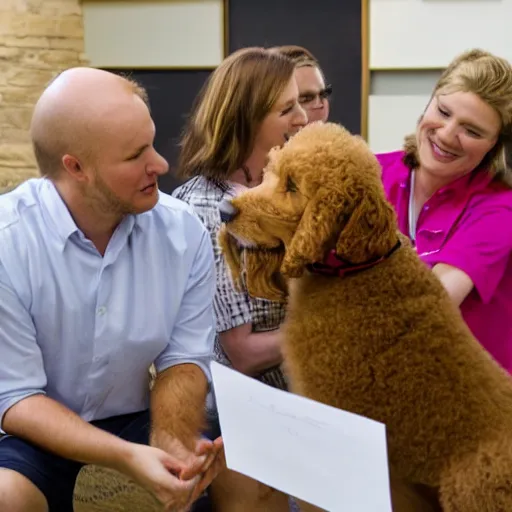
[{"x": 330, "y": 458}]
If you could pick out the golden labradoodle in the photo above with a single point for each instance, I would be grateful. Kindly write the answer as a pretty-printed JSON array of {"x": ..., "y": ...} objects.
[{"x": 369, "y": 327}]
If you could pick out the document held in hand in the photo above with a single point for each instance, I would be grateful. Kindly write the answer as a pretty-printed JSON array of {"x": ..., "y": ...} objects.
[{"x": 330, "y": 458}]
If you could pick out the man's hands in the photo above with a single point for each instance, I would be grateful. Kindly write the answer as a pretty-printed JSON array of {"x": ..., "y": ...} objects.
[
  {"x": 198, "y": 466},
  {"x": 158, "y": 472},
  {"x": 192, "y": 457},
  {"x": 214, "y": 465}
]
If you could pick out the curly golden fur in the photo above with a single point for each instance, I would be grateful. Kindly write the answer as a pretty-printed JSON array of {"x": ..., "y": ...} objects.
[{"x": 385, "y": 342}]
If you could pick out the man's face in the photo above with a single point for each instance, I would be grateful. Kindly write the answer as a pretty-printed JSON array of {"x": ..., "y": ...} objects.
[{"x": 125, "y": 166}]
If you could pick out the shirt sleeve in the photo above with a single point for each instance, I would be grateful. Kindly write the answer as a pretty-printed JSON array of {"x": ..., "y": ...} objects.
[
  {"x": 481, "y": 246},
  {"x": 193, "y": 335},
  {"x": 22, "y": 371}
]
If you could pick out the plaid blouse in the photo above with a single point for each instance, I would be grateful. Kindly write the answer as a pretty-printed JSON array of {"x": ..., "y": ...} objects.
[{"x": 232, "y": 308}]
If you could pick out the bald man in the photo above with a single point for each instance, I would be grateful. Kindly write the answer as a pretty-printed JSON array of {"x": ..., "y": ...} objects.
[{"x": 101, "y": 276}]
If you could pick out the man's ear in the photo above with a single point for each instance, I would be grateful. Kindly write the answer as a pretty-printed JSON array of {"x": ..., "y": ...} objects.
[{"x": 73, "y": 167}]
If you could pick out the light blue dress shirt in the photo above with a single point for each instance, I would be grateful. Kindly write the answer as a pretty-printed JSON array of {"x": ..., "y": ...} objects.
[{"x": 84, "y": 329}]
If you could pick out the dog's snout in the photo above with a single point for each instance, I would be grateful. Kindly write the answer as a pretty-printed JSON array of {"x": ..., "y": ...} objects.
[{"x": 227, "y": 211}]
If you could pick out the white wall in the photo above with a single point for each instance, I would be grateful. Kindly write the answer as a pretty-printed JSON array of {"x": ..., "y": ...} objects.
[
  {"x": 397, "y": 99},
  {"x": 427, "y": 33},
  {"x": 154, "y": 34},
  {"x": 393, "y": 118},
  {"x": 410, "y": 42},
  {"x": 407, "y": 37}
]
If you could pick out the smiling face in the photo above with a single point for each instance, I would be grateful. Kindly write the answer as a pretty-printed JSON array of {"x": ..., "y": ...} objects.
[
  {"x": 455, "y": 133},
  {"x": 285, "y": 119}
]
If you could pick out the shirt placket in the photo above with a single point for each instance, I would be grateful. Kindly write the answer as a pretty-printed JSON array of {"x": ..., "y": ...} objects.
[{"x": 98, "y": 374}]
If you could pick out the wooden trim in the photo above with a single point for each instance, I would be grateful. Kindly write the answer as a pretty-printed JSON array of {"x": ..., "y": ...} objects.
[
  {"x": 158, "y": 68},
  {"x": 226, "y": 27},
  {"x": 365, "y": 67},
  {"x": 412, "y": 69}
]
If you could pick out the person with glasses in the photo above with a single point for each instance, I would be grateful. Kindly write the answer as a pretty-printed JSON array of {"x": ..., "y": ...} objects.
[{"x": 314, "y": 94}]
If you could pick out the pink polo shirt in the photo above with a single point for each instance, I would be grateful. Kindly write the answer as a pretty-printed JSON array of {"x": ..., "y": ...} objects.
[{"x": 467, "y": 224}]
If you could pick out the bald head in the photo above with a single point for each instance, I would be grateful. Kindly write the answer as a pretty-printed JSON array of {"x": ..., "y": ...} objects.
[{"x": 76, "y": 113}]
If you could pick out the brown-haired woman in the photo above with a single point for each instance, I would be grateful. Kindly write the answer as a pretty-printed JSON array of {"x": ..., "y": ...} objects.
[{"x": 249, "y": 105}]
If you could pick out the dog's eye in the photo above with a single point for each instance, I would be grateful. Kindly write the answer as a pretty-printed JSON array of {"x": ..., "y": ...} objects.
[{"x": 290, "y": 185}]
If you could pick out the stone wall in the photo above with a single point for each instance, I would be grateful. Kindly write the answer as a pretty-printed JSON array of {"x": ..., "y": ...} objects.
[{"x": 38, "y": 39}]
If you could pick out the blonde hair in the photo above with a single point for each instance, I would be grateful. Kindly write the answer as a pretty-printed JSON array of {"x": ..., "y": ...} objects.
[
  {"x": 299, "y": 55},
  {"x": 221, "y": 130},
  {"x": 490, "y": 78}
]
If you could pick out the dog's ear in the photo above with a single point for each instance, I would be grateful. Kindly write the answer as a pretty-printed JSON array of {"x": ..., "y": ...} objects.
[
  {"x": 262, "y": 275},
  {"x": 360, "y": 226},
  {"x": 369, "y": 230},
  {"x": 317, "y": 227},
  {"x": 254, "y": 271}
]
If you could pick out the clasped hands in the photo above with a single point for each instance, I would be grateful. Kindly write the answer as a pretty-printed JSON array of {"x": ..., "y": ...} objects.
[{"x": 194, "y": 468}]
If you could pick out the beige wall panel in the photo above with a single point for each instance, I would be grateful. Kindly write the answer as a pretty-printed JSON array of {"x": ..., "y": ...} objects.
[{"x": 154, "y": 34}]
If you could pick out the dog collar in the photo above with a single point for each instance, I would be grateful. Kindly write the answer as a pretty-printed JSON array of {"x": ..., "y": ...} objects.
[{"x": 334, "y": 265}]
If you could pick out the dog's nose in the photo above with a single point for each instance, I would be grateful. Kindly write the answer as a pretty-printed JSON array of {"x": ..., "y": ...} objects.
[{"x": 227, "y": 211}]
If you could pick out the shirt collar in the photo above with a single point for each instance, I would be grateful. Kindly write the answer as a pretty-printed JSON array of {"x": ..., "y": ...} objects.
[
  {"x": 474, "y": 181},
  {"x": 63, "y": 224},
  {"x": 470, "y": 183},
  {"x": 56, "y": 210}
]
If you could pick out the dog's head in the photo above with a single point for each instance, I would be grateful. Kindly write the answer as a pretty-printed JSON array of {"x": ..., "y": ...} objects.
[{"x": 322, "y": 190}]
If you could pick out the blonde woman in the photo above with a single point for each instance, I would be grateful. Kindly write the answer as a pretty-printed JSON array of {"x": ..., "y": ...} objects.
[
  {"x": 451, "y": 189},
  {"x": 249, "y": 105}
]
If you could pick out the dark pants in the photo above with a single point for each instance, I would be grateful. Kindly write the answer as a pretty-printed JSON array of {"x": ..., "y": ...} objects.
[{"x": 54, "y": 476}]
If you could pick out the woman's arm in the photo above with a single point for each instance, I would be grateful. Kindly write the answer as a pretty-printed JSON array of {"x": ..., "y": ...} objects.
[
  {"x": 477, "y": 254},
  {"x": 251, "y": 353},
  {"x": 457, "y": 283}
]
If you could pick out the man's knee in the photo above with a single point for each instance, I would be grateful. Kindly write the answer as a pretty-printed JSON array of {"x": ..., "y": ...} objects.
[{"x": 19, "y": 494}]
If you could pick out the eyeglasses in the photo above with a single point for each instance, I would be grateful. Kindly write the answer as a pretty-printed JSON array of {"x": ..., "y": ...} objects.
[{"x": 324, "y": 94}]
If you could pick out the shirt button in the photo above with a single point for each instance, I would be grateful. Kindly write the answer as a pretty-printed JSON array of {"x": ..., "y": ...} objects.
[
  {"x": 426, "y": 207},
  {"x": 102, "y": 310}
]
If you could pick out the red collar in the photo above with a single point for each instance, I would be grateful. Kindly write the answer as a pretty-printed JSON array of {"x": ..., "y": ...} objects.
[{"x": 335, "y": 265}]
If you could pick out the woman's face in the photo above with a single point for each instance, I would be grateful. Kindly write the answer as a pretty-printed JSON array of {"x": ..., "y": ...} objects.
[
  {"x": 313, "y": 95},
  {"x": 455, "y": 133},
  {"x": 285, "y": 119}
]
